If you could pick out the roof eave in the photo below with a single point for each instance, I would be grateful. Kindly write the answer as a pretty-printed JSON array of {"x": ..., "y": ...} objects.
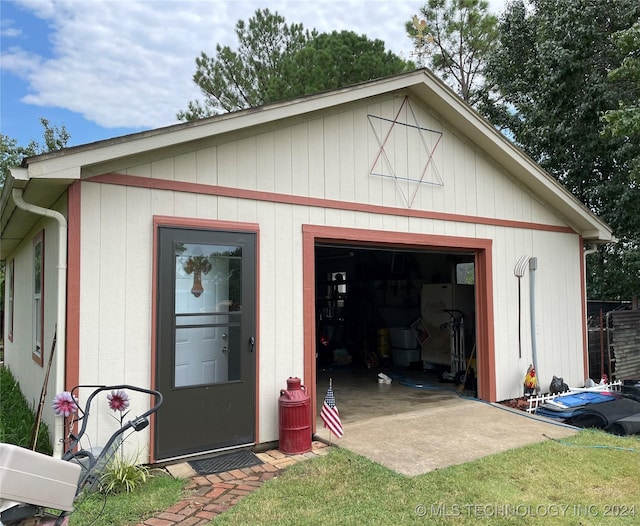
[
  {"x": 69, "y": 163},
  {"x": 477, "y": 129}
]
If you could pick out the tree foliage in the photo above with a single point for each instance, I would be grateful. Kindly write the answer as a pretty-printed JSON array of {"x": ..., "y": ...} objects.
[
  {"x": 233, "y": 80},
  {"x": 335, "y": 60},
  {"x": 454, "y": 39},
  {"x": 275, "y": 61},
  {"x": 12, "y": 154},
  {"x": 624, "y": 121},
  {"x": 552, "y": 65}
]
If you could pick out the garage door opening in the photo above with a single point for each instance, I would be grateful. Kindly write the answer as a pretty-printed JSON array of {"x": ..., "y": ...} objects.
[
  {"x": 403, "y": 261},
  {"x": 405, "y": 312}
]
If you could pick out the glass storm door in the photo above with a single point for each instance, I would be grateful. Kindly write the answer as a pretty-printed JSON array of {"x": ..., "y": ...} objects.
[{"x": 205, "y": 365}]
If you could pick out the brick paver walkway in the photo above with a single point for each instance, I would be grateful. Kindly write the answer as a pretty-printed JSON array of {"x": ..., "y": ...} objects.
[{"x": 211, "y": 495}]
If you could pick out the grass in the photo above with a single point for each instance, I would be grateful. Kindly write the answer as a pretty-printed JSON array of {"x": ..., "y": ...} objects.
[
  {"x": 158, "y": 493},
  {"x": 590, "y": 479},
  {"x": 17, "y": 416},
  {"x": 587, "y": 479}
]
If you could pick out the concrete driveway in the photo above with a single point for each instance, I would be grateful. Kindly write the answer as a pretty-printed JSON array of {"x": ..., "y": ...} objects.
[{"x": 452, "y": 430}]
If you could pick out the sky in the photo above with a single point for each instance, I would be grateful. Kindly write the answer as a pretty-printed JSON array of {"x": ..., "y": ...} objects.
[{"x": 106, "y": 68}]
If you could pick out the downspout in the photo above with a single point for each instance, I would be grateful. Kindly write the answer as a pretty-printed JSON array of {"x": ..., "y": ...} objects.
[
  {"x": 61, "y": 300},
  {"x": 590, "y": 249},
  {"x": 533, "y": 265}
]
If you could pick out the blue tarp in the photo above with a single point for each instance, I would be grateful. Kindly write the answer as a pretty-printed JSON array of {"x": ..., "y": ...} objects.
[{"x": 573, "y": 401}]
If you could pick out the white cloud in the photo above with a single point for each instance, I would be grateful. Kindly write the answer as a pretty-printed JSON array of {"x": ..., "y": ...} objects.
[
  {"x": 119, "y": 64},
  {"x": 21, "y": 63},
  {"x": 10, "y": 32},
  {"x": 129, "y": 63},
  {"x": 44, "y": 9}
]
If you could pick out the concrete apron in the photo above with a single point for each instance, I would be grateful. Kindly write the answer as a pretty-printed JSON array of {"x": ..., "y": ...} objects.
[{"x": 454, "y": 431}]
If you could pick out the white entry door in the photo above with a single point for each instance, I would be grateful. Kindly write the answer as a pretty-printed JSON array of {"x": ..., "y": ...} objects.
[{"x": 202, "y": 292}]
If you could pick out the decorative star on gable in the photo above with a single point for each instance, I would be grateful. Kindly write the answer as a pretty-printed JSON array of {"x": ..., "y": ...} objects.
[{"x": 406, "y": 151}]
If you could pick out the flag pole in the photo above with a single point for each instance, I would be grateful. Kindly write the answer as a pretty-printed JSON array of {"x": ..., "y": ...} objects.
[
  {"x": 329, "y": 414},
  {"x": 330, "y": 433}
]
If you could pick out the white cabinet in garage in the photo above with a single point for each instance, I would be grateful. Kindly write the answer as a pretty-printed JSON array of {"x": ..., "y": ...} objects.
[{"x": 436, "y": 299}]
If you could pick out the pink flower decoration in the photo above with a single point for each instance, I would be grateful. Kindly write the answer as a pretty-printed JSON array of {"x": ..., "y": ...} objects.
[
  {"x": 65, "y": 404},
  {"x": 118, "y": 400}
]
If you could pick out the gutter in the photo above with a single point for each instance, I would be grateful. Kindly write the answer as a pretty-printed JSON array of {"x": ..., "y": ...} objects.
[{"x": 61, "y": 300}]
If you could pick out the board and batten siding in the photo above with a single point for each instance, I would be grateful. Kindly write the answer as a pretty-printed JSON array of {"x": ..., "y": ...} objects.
[
  {"x": 329, "y": 155},
  {"x": 325, "y": 160},
  {"x": 18, "y": 352}
]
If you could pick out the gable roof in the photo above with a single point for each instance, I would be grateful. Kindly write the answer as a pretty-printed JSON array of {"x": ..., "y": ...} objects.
[{"x": 44, "y": 178}]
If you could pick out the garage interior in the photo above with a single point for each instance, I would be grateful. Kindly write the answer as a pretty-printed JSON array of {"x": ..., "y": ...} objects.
[{"x": 405, "y": 312}]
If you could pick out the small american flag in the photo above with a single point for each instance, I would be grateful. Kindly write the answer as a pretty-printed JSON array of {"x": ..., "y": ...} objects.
[{"x": 329, "y": 414}]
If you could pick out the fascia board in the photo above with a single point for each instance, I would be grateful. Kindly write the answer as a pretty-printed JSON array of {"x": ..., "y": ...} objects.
[
  {"x": 515, "y": 161},
  {"x": 69, "y": 162}
]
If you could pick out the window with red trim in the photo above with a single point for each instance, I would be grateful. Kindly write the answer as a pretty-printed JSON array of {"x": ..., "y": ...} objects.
[
  {"x": 38, "y": 297},
  {"x": 10, "y": 294}
]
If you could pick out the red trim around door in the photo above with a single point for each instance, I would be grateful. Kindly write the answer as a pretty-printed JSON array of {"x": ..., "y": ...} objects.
[
  {"x": 484, "y": 292},
  {"x": 72, "y": 365},
  {"x": 72, "y": 344},
  {"x": 583, "y": 300}
]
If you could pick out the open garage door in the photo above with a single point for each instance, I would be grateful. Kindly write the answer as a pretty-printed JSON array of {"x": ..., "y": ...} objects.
[
  {"x": 406, "y": 313},
  {"x": 378, "y": 307},
  {"x": 408, "y": 310}
]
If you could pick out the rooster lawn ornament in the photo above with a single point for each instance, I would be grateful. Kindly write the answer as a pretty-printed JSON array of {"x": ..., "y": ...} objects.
[{"x": 530, "y": 381}]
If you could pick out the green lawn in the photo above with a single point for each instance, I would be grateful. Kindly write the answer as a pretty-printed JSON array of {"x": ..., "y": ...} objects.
[
  {"x": 590, "y": 479},
  {"x": 16, "y": 422},
  {"x": 97, "y": 509}
]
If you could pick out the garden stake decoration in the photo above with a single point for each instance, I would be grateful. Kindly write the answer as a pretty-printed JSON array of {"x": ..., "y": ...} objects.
[
  {"x": 65, "y": 404},
  {"x": 102, "y": 469},
  {"x": 119, "y": 401}
]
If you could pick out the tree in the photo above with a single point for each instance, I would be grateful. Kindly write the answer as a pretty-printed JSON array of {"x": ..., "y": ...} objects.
[
  {"x": 276, "y": 61},
  {"x": 552, "y": 66},
  {"x": 11, "y": 154},
  {"x": 334, "y": 60},
  {"x": 454, "y": 39},
  {"x": 234, "y": 80},
  {"x": 624, "y": 122}
]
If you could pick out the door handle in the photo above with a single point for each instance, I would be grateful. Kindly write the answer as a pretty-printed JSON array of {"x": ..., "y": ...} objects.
[{"x": 252, "y": 343}]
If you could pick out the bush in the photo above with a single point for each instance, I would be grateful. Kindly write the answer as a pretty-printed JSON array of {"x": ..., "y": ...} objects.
[{"x": 17, "y": 417}]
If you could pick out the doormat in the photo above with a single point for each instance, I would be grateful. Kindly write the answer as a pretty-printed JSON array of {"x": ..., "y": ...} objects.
[{"x": 226, "y": 462}]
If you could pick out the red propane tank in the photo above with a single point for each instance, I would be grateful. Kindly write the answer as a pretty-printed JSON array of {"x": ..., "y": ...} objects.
[{"x": 294, "y": 407}]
